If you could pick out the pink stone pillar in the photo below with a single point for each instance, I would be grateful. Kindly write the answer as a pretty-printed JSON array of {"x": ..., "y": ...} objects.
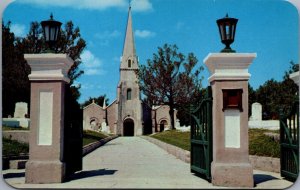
[
  {"x": 229, "y": 81},
  {"x": 48, "y": 79}
]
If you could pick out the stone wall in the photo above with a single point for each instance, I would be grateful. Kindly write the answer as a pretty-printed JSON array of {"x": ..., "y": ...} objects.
[
  {"x": 258, "y": 162},
  {"x": 20, "y": 136}
]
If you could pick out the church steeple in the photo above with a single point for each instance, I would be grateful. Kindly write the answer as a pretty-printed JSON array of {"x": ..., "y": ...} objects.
[{"x": 129, "y": 59}]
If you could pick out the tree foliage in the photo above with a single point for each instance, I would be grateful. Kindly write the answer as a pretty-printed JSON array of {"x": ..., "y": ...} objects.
[
  {"x": 276, "y": 96},
  {"x": 16, "y": 86},
  {"x": 170, "y": 78},
  {"x": 98, "y": 100}
]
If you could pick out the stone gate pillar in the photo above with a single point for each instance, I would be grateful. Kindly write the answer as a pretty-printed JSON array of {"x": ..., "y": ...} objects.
[
  {"x": 48, "y": 79},
  {"x": 229, "y": 81}
]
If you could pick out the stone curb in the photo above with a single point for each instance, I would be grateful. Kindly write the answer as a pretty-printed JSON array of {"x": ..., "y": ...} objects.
[
  {"x": 18, "y": 162},
  {"x": 265, "y": 163},
  {"x": 92, "y": 146},
  {"x": 258, "y": 162},
  {"x": 179, "y": 153}
]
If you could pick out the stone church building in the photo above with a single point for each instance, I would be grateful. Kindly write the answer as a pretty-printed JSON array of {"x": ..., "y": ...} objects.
[{"x": 127, "y": 115}]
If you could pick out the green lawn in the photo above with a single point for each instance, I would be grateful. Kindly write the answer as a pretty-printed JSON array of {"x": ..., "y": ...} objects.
[
  {"x": 6, "y": 128},
  {"x": 92, "y": 136},
  {"x": 12, "y": 147},
  {"x": 174, "y": 137},
  {"x": 262, "y": 145},
  {"x": 259, "y": 144}
]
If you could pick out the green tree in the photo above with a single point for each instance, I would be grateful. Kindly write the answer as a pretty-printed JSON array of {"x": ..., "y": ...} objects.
[
  {"x": 16, "y": 69},
  {"x": 98, "y": 100},
  {"x": 170, "y": 78},
  {"x": 276, "y": 96}
]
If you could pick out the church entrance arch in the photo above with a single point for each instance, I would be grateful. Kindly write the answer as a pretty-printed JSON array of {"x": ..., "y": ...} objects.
[
  {"x": 128, "y": 127},
  {"x": 162, "y": 125}
]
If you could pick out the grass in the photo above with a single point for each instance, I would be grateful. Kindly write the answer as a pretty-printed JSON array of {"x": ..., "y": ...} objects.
[
  {"x": 259, "y": 144},
  {"x": 262, "y": 145},
  {"x": 6, "y": 128},
  {"x": 12, "y": 147},
  {"x": 92, "y": 136},
  {"x": 176, "y": 138}
]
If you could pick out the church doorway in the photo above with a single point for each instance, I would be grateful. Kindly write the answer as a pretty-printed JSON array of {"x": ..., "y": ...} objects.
[
  {"x": 128, "y": 129},
  {"x": 162, "y": 125}
]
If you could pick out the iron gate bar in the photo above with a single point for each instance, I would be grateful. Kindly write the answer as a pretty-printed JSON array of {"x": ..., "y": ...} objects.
[
  {"x": 289, "y": 144},
  {"x": 201, "y": 136}
]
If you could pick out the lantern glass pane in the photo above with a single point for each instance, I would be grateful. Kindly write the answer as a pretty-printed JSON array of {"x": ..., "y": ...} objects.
[
  {"x": 52, "y": 34},
  {"x": 223, "y": 34},
  {"x": 46, "y": 30},
  {"x": 56, "y": 33},
  {"x": 227, "y": 32}
]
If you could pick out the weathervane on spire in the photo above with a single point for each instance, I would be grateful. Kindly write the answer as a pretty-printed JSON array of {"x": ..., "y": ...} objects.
[{"x": 130, "y": 3}]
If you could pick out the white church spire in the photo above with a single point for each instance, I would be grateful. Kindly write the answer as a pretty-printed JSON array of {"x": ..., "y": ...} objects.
[{"x": 129, "y": 59}]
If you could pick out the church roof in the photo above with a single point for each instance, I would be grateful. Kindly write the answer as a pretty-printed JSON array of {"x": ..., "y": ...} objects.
[{"x": 92, "y": 104}]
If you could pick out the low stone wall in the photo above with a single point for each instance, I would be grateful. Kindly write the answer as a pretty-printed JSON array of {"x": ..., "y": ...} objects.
[
  {"x": 181, "y": 154},
  {"x": 265, "y": 163},
  {"x": 20, "y": 136},
  {"x": 264, "y": 124},
  {"x": 258, "y": 162},
  {"x": 92, "y": 146}
]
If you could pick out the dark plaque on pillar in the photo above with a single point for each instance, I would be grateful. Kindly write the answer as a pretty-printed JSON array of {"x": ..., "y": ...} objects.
[{"x": 232, "y": 99}]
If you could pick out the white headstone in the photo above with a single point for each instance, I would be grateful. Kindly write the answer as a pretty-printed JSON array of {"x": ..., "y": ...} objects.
[
  {"x": 105, "y": 128},
  {"x": 21, "y": 110},
  {"x": 256, "y": 112}
]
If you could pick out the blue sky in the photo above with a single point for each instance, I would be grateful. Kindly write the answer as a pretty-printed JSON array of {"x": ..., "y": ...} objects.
[{"x": 266, "y": 27}]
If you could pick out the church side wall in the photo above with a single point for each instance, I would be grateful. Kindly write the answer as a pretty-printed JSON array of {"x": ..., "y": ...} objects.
[
  {"x": 112, "y": 117},
  {"x": 93, "y": 112}
]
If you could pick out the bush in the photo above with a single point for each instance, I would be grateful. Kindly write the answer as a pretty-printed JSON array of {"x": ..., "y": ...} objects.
[
  {"x": 12, "y": 147},
  {"x": 262, "y": 145}
]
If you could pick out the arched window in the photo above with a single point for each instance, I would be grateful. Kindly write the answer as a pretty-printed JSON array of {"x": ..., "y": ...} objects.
[
  {"x": 129, "y": 94},
  {"x": 129, "y": 63}
]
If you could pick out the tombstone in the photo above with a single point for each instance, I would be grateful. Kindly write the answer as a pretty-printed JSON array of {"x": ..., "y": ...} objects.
[
  {"x": 21, "y": 109},
  {"x": 256, "y": 112},
  {"x": 105, "y": 128}
]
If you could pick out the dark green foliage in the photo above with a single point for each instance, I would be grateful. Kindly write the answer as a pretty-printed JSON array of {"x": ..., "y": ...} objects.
[
  {"x": 98, "y": 100},
  {"x": 170, "y": 78},
  {"x": 276, "y": 96},
  {"x": 15, "y": 69},
  {"x": 12, "y": 147}
]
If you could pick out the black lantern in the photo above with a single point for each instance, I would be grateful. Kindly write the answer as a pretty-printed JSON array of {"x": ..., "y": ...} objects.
[
  {"x": 51, "y": 30},
  {"x": 227, "y": 27}
]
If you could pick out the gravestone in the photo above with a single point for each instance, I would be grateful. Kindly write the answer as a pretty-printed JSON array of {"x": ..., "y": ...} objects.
[
  {"x": 256, "y": 112},
  {"x": 21, "y": 109}
]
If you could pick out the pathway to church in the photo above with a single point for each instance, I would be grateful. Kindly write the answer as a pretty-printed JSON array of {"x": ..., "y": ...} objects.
[{"x": 132, "y": 162}]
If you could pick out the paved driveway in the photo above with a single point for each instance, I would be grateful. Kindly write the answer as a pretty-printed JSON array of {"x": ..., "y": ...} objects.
[{"x": 133, "y": 162}]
